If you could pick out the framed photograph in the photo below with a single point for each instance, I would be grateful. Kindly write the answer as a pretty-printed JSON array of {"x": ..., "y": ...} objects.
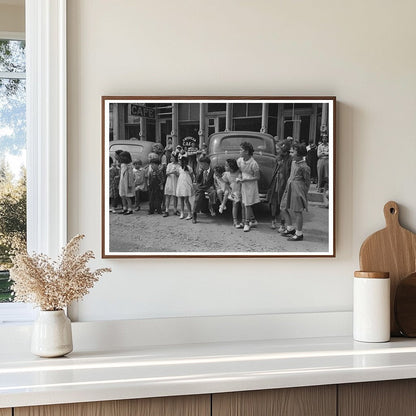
[{"x": 218, "y": 177}]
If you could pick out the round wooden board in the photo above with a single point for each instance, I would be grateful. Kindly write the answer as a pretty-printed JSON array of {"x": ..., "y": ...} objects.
[
  {"x": 393, "y": 250},
  {"x": 405, "y": 305}
]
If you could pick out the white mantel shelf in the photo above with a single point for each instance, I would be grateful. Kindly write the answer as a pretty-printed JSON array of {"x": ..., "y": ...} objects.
[{"x": 168, "y": 370}]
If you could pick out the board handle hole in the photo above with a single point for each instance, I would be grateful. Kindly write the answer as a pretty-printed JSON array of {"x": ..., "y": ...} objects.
[{"x": 392, "y": 211}]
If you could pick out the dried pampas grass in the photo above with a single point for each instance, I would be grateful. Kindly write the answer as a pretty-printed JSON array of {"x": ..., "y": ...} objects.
[{"x": 53, "y": 285}]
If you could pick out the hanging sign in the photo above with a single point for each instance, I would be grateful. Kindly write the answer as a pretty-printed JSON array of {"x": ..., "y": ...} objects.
[{"x": 142, "y": 111}]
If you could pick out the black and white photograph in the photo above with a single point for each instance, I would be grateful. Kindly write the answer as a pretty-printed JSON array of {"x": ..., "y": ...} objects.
[{"x": 218, "y": 176}]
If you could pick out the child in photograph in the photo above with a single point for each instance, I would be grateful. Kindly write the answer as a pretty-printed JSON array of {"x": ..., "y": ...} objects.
[
  {"x": 139, "y": 182},
  {"x": 204, "y": 151},
  {"x": 192, "y": 153},
  {"x": 312, "y": 161},
  {"x": 155, "y": 186},
  {"x": 295, "y": 197},
  {"x": 168, "y": 149},
  {"x": 114, "y": 183},
  {"x": 278, "y": 183},
  {"x": 126, "y": 185},
  {"x": 323, "y": 163},
  {"x": 250, "y": 175},
  {"x": 184, "y": 187},
  {"x": 204, "y": 187},
  {"x": 172, "y": 173},
  {"x": 232, "y": 191},
  {"x": 219, "y": 186},
  {"x": 178, "y": 150}
]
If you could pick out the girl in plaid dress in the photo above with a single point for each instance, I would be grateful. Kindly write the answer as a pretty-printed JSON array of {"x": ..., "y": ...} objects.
[
  {"x": 295, "y": 197},
  {"x": 114, "y": 181}
]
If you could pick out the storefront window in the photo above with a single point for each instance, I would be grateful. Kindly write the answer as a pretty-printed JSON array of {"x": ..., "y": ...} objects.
[
  {"x": 304, "y": 128},
  {"x": 184, "y": 112},
  {"x": 247, "y": 124},
  {"x": 273, "y": 109},
  {"x": 216, "y": 107},
  {"x": 188, "y": 129},
  {"x": 254, "y": 110},
  {"x": 272, "y": 126},
  {"x": 150, "y": 130},
  {"x": 239, "y": 110},
  {"x": 194, "y": 111}
]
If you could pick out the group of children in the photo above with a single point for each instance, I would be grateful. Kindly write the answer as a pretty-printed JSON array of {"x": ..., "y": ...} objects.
[{"x": 236, "y": 182}]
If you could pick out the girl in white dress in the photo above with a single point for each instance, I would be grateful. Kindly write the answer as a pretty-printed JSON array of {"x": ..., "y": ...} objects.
[
  {"x": 232, "y": 191},
  {"x": 126, "y": 185},
  {"x": 184, "y": 187},
  {"x": 250, "y": 175},
  {"x": 172, "y": 173}
]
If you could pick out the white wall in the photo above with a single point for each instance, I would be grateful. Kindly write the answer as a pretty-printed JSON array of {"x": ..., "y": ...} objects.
[{"x": 360, "y": 51}]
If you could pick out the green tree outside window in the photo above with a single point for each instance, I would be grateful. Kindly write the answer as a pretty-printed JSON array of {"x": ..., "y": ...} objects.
[{"x": 12, "y": 150}]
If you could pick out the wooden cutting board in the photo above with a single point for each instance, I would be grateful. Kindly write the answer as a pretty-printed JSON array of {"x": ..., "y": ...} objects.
[
  {"x": 393, "y": 250},
  {"x": 405, "y": 306}
]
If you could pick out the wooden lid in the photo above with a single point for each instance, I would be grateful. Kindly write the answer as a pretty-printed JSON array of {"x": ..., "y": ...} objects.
[{"x": 372, "y": 275}]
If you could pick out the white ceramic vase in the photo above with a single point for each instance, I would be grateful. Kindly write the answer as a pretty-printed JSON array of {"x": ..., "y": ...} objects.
[{"x": 52, "y": 334}]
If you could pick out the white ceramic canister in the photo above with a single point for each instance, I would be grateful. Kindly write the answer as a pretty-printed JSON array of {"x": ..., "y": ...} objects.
[
  {"x": 371, "y": 311},
  {"x": 52, "y": 334}
]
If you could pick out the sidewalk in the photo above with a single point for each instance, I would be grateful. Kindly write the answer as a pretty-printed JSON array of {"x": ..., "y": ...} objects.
[{"x": 143, "y": 233}]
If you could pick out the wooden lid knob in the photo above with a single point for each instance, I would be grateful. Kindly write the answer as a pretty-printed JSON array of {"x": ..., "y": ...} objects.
[{"x": 372, "y": 275}]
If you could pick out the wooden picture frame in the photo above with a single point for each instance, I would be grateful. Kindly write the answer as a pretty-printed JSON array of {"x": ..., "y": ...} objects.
[{"x": 216, "y": 127}]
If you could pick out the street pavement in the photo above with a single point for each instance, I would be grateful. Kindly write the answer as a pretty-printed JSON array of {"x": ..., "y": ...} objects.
[{"x": 141, "y": 233}]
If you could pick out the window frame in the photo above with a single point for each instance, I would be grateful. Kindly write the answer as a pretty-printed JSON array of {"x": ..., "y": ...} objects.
[{"x": 46, "y": 121}]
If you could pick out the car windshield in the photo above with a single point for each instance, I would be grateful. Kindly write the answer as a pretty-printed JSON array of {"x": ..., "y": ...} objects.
[
  {"x": 136, "y": 148},
  {"x": 233, "y": 143}
]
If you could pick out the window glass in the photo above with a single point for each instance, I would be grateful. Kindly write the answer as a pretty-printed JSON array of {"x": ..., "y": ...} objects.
[
  {"x": 12, "y": 56},
  {"x": 239, "y": 110},
  {"x": 272, "y": 126},
  {"x": 273, "y": 109},
  {"x": 195, "y": 111},
  {"x": 304, "y": 128},
  {"x": 247, "y": 124},
  {"x": 183, "y": 111},
  {"x": 254, "y": 109},
  {"x": 259, "y": 143},
  {"x": 216, "y": 107},
  {"x": 12, "y": 155}
]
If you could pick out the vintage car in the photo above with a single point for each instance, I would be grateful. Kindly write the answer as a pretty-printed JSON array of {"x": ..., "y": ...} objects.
[
  {"x": 139, "y": 149},
  {"x": 226, "y": 145}
]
